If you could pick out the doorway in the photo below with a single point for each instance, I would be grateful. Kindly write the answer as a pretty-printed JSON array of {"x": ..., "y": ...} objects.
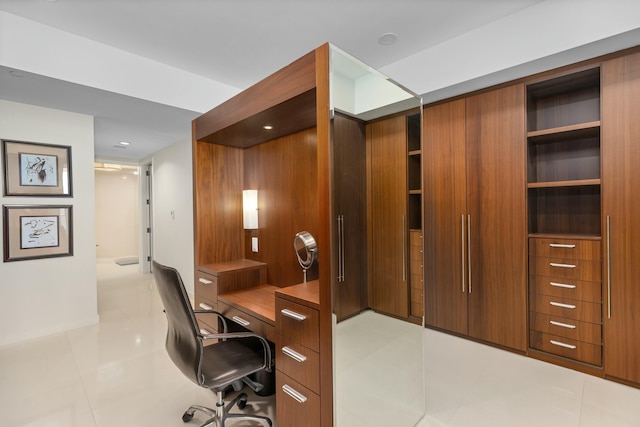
[{"x": 118, "y": 223}]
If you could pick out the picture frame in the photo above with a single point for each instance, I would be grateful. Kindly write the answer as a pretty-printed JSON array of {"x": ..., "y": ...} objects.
[
  {"x": 35, "y": 169},
  {"x": 37, "y": 231}
]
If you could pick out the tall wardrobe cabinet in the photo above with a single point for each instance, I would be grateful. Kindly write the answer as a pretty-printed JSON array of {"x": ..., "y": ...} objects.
[
  {"x": 621, "y": 216},
  {"x": 475, "y": 255}
]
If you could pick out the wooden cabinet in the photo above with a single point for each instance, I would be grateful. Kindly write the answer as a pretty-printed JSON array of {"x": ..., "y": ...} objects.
[
  {"x": 416, "y": 268},
  {"x": 388, "y": 229},
  {"x": 496, "y": 221},
  {"x": 445, "y": 213},
  {"x": 298, "y": 378},
  {"x": 475, "y": 224},
  {"x": 621, "y": 216},
  {"x": 565, "y": 263},
  {"x": 349, "y": 207},
  {"x": 565, "y": 301}
]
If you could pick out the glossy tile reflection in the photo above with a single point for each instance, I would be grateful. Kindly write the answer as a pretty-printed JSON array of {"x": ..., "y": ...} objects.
[{"x": 473, "y": 385}]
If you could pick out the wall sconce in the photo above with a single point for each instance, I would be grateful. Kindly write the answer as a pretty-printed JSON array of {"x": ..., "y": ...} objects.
[{"x": 250, "y": 209}]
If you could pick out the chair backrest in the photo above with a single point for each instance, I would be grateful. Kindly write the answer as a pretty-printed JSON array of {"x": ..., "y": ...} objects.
[{"x": 183, "y": 345}]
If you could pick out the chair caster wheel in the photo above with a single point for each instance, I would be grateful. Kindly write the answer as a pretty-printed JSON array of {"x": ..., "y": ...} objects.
[
  {"x": 242, "y": 403},
  {"x": 186, "y": 417}
]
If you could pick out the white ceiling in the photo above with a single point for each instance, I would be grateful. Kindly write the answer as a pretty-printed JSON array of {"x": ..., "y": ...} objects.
[{"x": 235, "y": 42}]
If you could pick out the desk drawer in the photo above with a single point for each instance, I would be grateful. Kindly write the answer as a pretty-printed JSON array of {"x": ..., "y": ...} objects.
[
  {"x": 563, "y": 288},
  {"x": 564, "y": 268},
  {"x": 298, "y": 323},
  {"x": 206, "y": 286},
  {"x": 567, "y": 328},
  {"x": 566, "y": 308},
  {"x": 248, "y": 321},
  {"x": 572, "y": 349},
  {"x": 565, "y": 248},
  {"x": 296, "y": 405},
  {"x": 299, "y": 363}
]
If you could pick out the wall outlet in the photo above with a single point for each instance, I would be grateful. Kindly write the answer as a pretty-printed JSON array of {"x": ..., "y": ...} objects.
[{"x": 254, "y": 244}]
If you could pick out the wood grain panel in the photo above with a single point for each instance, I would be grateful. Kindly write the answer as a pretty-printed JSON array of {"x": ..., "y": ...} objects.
[
  {"x": 562, "y": 268},
  {"x": 444, "y": 193},
  {"x": 496, "y": 179},
  {"x": 292, "y": 413},
  {"x": 284, "y": 171},
  {"x": 349, "y": 201},
  {"x": 567, "y": 328},
  {"x": 387, "y": 144},
  {"x": 581, "y": 351},
  {"x": 621, "y": 204},
  {"x": 306, "y": 331},
  {"x": 588, "y": 249},
  {"x": 572, "y": 289},
  {"x": 217, "y": 203},
  {"x": 583, "y": 311},
  {"x": 307, "y": 371},
  {"x": 287, "y": 83}
]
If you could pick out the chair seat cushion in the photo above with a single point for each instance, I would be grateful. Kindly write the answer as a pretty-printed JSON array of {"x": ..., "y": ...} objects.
[{"x": 227, "y": 361}]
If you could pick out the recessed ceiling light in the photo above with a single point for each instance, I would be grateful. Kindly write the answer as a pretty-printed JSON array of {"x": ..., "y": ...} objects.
[
  {"x": 387, "y": 39},
  {"x": 267, "y": 127},
  {"x": 125, "y": 143}
]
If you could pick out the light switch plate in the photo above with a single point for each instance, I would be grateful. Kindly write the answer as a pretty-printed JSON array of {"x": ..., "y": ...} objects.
[{"x": 254, "y": 244}]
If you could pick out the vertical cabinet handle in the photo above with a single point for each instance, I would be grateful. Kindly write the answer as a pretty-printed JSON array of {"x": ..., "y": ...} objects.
[
  {"x": 462, "y": 242},
  {"x": 608, "y": 267},
  {"x": 469, "y": 248},
  {"x": 341, "y": 264},
  {"x": 404, "y": 250}
]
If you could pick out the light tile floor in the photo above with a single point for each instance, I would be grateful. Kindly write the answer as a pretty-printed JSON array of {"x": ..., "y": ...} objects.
[{"x": 117, "y": 374}]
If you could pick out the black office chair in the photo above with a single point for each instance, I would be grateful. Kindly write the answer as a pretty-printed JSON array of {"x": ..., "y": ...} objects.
[{"x": 219, "y": 366}]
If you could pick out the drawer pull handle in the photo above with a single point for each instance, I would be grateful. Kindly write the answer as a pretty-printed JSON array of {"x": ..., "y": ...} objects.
[
  {"x": 555, "y": 264},
  {"x": 294, "y": 354},
  {"x": 564, "y": 325},
  {"x": 299, "y": 397},
  {"x": 205, "y": 281},
  {"x": 205, "y": 306},
  {"x": 562, "y": 285},
  {"x": 204, "y": 331},
  {"x": 559, "y": 304},
  {"x": 240, "y": 321},
  {"x": 561, "y": 344},
  {"x": 293, "y": 315},
  {"x": 561, "y": 245}
]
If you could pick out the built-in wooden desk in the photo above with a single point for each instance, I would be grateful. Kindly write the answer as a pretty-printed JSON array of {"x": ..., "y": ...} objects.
[{"x": 253, "y": 308}]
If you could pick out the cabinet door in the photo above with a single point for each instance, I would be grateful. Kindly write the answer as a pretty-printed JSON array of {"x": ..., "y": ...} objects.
[
  {"x": 621, "y": 210},
  {"x": 497, "y": 228},
  {"x": 349, "y": 198},
  {"x": 445, "y": 219},
  {"x": 388, "y": 204}
]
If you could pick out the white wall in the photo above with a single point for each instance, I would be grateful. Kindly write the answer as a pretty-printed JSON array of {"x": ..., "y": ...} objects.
[
  {"x": 45, "y": 296},
  {"x": 117, "y": 213},
  {"x": 173, "y": 210}
]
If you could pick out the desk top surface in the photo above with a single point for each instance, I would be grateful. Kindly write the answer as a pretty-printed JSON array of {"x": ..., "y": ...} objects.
[{"x": 260, "y": 300}]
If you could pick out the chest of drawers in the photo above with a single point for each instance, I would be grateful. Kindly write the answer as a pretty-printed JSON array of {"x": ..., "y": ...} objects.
[
  {"x": 565, "y": 298},
  {"x": 298, "y": 356}
]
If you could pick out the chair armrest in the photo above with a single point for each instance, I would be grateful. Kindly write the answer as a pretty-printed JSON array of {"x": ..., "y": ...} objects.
[
  {"x": 224, "y": 320},
  {"x": 268, "y": 361}
]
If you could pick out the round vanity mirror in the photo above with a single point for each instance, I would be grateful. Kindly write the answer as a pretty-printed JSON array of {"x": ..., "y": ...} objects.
[{"x": 306, "y": 250}]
